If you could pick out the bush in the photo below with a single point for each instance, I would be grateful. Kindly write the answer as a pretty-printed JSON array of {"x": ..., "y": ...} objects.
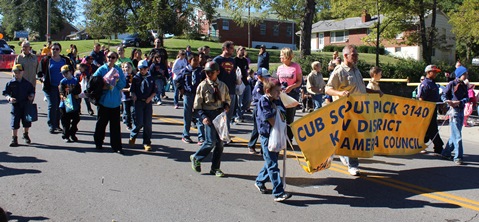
[
  {"x": 328, "y": 48},
  {"x": 362, "y": 49},
  {"x": 305, "y": 64}
]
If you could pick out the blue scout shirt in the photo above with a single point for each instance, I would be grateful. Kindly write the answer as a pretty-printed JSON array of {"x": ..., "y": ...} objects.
[
  {"x": 143, "y": 86},
  {"x": 258, "y": 92},
  {"x": 457, "y": 91},
  {"x": 429, "y": 91},
  {"x": 192, "y": 78},
  {"x": 158, "y": 71},
  {"x": 69, "y": 86},
  {"x": 20, "y": 90},
  {"x": 264, "y": 111},
  {"x": 227, "y": 72},
  {"x": 263, "y": 60},
  {"x": 111, "y": 98}
]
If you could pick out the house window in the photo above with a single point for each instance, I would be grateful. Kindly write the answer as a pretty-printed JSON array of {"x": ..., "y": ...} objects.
[
  {"x": 289, "y": 31},
  {"x": 226, "y": 24},
  {"x": 321, "y": 38},
  {"x": 397, "y": 49},
  {"x": 262, "y": 29},
  {"x": 341, "y": 36},
  {"x": 276, "y": 30}
]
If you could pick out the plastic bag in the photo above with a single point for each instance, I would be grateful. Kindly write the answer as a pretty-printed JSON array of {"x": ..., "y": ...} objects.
[
  {"x": 277, "y": 136},
  {"x": 239, "y": 75},
  {"x": 240, "y": 89},
  {"x": 31, "y": 112},
  {"x": 221, "y": 127},
  {"x": 84, "y": 87},
  {"x": 71, "y": 104},
  {"x": 288, "y": 101},
  {"x": 468, "y": 109}
]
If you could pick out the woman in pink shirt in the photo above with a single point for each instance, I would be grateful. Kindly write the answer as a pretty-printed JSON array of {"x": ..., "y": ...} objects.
[{"x": 291, "y": 78}]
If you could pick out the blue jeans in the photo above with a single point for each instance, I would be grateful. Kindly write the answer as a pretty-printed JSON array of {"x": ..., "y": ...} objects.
[
  {"x": 254, "y": 134},
  {"x": 212, "y": 140},
  {"x": 244, "y": 101},
  {"x": 159, "y": 90},
  {"x": 143, "y": 119},
  {"x": 128, "y": 112},
  {"x": 230, "y": 112},
  {"x": 176, "y": 94},
  {"x": 188, "y": 100},
  {"x": 270, "y": 170},
  {"x": 53, "y": 100},
  {"x": 318, "y": 101},
  {"x": 455, "y": 141}
]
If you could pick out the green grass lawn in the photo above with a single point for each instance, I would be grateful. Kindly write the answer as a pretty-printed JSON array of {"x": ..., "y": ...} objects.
[{"x": 173, "y": 45}]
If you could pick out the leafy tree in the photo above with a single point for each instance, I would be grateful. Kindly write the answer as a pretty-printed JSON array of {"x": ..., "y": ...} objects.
[
  {"x": 465, "y": 22},
  {"x": 31, "y": 15}
]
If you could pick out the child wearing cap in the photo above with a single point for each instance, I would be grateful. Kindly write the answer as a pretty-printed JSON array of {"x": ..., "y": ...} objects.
[
  {"x": 69, "y": 85},
  {"x": 315, "y": 84},
  {"x": 456, "y": 97},
  {"x": 142, "y": 91},
  {"x": 20, "y": 93},
  {"x": 212, "y": 98},
  {"x": 258, "y": 92}
]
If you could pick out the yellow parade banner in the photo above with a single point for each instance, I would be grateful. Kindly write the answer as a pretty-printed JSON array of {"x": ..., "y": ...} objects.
[{"x": 362, "y": 126}]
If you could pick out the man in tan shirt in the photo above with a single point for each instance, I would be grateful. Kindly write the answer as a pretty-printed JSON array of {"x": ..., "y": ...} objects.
[
  {"x": 315, "y": 85},
  {"x": 29, "y": 62},
  {"x": 345, "y": 80}
]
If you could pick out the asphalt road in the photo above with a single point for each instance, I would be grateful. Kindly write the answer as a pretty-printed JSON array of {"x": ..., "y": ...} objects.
[{"x": 54, "y": 181}]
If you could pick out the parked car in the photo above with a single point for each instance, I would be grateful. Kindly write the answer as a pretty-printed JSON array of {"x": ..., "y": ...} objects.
[
  {"x": 136, "y": 41},
  {"x": 168, "y": 36},
  {"x": 5, "y": 48}
]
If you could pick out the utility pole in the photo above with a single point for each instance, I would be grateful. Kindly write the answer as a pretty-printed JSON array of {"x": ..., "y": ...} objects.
[
  {"x": 48, "y": 20},
  {"x": 249, "y": 25}
]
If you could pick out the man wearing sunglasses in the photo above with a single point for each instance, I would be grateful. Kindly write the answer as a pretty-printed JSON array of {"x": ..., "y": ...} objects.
[{"x": 109, "y": 104}]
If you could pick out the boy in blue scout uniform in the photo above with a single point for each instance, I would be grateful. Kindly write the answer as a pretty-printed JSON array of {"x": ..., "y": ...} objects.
[
  {"x": 20, "y": 93},
  {"x": 191, "y": 77},
  {"x": 258, "y": 92},
  {"x": 212, "y": 98},
  {"x": 69, "y": 85},
  {"x": 143, "y": 90},
  {"x": 267, "y": 107}
]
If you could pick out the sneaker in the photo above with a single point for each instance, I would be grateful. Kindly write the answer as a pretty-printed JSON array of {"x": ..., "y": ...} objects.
[
  {"x": 132, "y": 141},
  {"x": 354, "y": 171},
  {"x": 176, "y": 106},
  {"x": 446, "y": 157},
  {"x": 282, "y": 197},
  {"x": 423, "y": 151},
  {"x": 261, "y": 188},
  {"x": 186, "y": 140},
  {"x": 74, "y": 138},
  {"x": 159, "y": 103},
  {"x": 14, "y": 142},
  {"x": 26, "y": 138},
  {"x": 343, "y": 160},
  {"x": 66, "y": 140},
  {"x": 252, "y": 150},
  {"x": 165, "y": 97},
  {"x": 59, "y": 130},
  {"x": 129, "y": 128},
  {"x": 147, "y": 147},
  {"x": 200, "y": 142},
  {"x": 91, "y": 112},
  {"x": 52, "y": 131},
  {"x": 195, "y": 164},
  {"x": 458, "y": 161},
  {"x": 217, "y": 173}
]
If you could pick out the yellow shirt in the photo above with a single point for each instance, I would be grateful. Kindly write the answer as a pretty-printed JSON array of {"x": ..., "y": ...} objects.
[{"x": 46, "y": 51}]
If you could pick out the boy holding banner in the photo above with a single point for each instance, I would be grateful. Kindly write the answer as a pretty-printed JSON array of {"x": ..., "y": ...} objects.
[{"x": 345, "y": 80}]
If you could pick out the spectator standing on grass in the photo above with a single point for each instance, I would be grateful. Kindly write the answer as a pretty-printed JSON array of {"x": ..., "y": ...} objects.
[
  {"x": 179, "y": 64},
  {"x": 109, "y": 106},
  {"x": 29, "y": 62},
  {"x": 456, "y": 97},
  {"x": 429, "y": 91},
  {"x": 51, "y": 76},
  {"x": 291, "y": 77},
  {"x": 244, "y": 99},
  {"x": 344, "y": 81},
  {"x": 315, "y": 85},
  {"x": 263, "y": 58},
  {"x": 135, "y": 57},
  {"x": 228, "y": 75}
]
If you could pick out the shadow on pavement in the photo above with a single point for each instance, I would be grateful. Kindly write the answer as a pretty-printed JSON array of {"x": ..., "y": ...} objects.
[
  {"x": 25, "y": 219},
  {"x": 5, "y": 157}
]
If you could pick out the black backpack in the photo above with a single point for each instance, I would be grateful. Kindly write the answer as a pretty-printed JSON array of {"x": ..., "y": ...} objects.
[{"x": 95, "y": 89}]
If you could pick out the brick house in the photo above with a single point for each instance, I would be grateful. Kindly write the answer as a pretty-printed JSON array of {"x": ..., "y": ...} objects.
[
  {"x": 353, "y": 30},
  {"x": 66, "y": 30},
  {"x": 271, "y": 31}
]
